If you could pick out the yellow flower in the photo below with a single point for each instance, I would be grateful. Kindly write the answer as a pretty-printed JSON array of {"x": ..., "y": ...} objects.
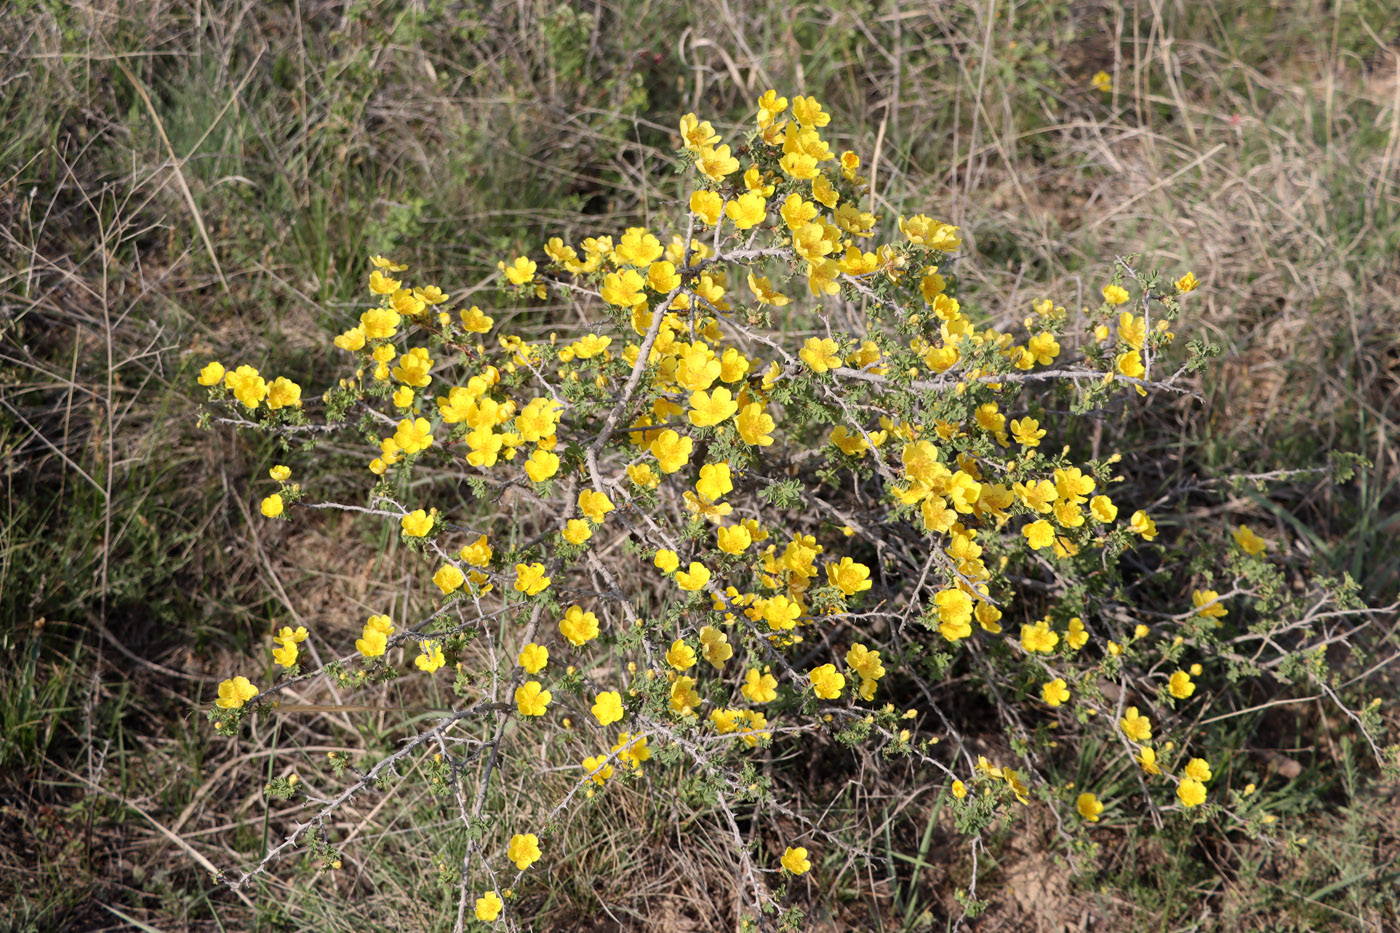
[
  {"x": 695, "y": 134},
  {"x": 212, "y": 374},
  {"x": 796, "y": 212},
  {"x": 959, "y": 789},
  {"x": 530, "y": 579},
  {"x": 380, "y": 323},
  {"x": 694, "y": 578},
  {"x": 1191, "y": 792},
  {"x": 521, "y": 271},
  {"x": 865, "y": 662},
  {"x": 288, "y": 636},
  {"x": 715, "y": 163},
  {"x": 406, "y": 303},
  {"x": 1136, "y": 726},
  {"x": 417, "y": 523},
  {"x": 382, "y": 262},
  {"x": 709, "y": 409},
  {"x": 1130, "y": 364},
  {"x": 607, "y": 707},
  {"x": 1055, "y": 692},
  {"x": 799, "y": 165},
  {"x": 1250, "y": 542},
  {"x": 759, "y": 687},
  {"x": 488, "y": 907},
  {"x": 1103, "y": 509},
  {"x": 1115, "y": 294},
  {"x": 715, "y": 481},
  {"x": 666, "y": 560},
  {"x": 381, "y": 284},
  {"x": 541, "y": 466},
  {"x": 684, "y": 699},
  {"x": 1039, "y": 637},
  {"x": 697, "y": 369},
  {"x": 431, "y": 658},
  {"x": 638, "y": 247},
  {"x": 1142, "y": 525},
  {"x": 747, "y": 210},
  {"x": 680, "y": 655},
  {"x": 715, "y": 647},
  {"x": 1089, "y": 807},
  {"x": 1027, "y": 432},
  {"x": 448, "y": 578},
  {"x": 533, "y": 658},
  {"x": 1102, "y": 82},
  {"x": 1147, "y": 760},
  {"x": 577, "y": 531},
  {"x": 671, "y": 450},
  {"x": 1208, "y": 605},
  {"x": 770, "y": 105},
  {"x": 661, "y": 278},
  {"x": 764, "y": 291},
  {"x": 623, "y": 289},
  {"x": 754, "y": 425},
  {"x": 413, "y": 368},
  {"x": 272, "y": 505},
  {"x": 988, "y": 617},
  {"x": 1039, "y": 534},
  {"x": 821, "y": 354},
  {"x": 643, "y": 475},
  {"x": 474, "y": 321},
  {"x": 827, "y": 682},
  {"x": 733, "y": 539},
  {"x": 1076, "y": 637},
  {"x": 531, "y": 700},
  {"x": 597, "y": 768},
  {"x": 1018, "y": 787},
  {"x": 780, "y": 613},
  {"x": 375, "y": 639},
  {"x": 235, "y": 692},
  {"x": 796, "y": 861},
  {"x": 918, "y": 229},
  {"x": 1132, "y": 330},
  {"x": 852, "y": 445},
  {"x": 414, "y": 435},
  {"x": 524, "y": 849},
  {"x": 1197, "y": 769},
  {"x": 430, "y": 295},
  {"x": 850, "y": 164},
  {"x": 848, "y": 576},
  {"x": 595, "y": 505},
  {"x": 706, "y": 205},
  {"x": 478, "y": 553},
  {"x": 351, "y": 340},
  {"x": 578, "y": 626},
  {"x": 807, "y": 112},
  {"x": 247, "y": 386},
  {"x": 1180, "y": 685},
  {"x": 954, "y": 614},
  {"x": 1187, "y": 283}
]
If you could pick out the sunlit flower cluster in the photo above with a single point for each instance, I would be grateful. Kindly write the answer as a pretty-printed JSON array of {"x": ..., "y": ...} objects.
[{"x": 738, "y": 514}]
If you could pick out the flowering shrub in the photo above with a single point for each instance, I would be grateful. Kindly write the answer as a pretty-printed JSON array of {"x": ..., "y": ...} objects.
[{"x": 728, "y": 538}]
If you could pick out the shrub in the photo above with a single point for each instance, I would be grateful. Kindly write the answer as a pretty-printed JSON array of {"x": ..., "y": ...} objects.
[{"x": 726, "y": 535}]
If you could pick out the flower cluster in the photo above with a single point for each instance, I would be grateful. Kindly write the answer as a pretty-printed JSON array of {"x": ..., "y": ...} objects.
[{"x": 727, "y": 531}]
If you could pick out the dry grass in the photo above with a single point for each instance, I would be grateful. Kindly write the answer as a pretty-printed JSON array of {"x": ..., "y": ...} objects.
[{"x": 182, "y": 181}]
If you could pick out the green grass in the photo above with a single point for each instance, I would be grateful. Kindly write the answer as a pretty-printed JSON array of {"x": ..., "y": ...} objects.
[{"x": 1258, "y": 146}]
